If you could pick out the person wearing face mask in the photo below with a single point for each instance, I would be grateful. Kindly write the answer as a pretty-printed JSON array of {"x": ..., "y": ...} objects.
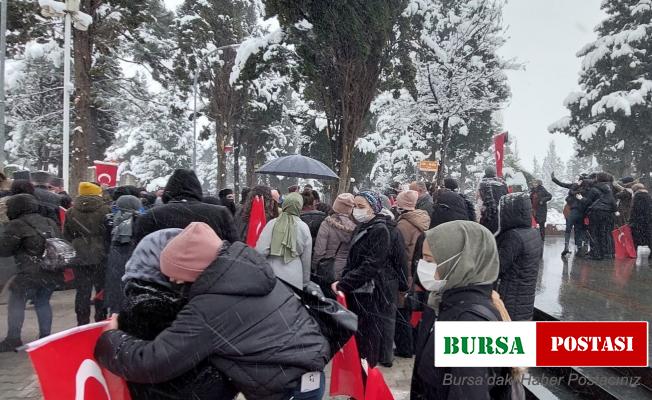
[
  {"x": 459, "y": 267},
  {"x": 362, "y": 278},
  {"x": 412, "y": 223}
]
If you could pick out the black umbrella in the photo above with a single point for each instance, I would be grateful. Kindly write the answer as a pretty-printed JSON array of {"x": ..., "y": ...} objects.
[{"x": 298, "y": 166}]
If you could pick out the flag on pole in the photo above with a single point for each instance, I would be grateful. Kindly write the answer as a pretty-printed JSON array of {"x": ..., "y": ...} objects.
[
  {"x": 257, "y": 221},
  {"x": 377, "y": 389},
  {"x": 499, "y": 151},
  {"x": 106, "y": 173},
  {"x": 346, "y": 374},
  {"x": 67, "y": 370}
]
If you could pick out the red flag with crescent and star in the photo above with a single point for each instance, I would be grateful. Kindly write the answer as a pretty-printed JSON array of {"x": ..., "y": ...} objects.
[
  {"x": 67, "y": 369},
  {"x": 106, "y": 173}
]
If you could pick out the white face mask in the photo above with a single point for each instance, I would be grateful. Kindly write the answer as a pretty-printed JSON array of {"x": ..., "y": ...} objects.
[
  {"x": 426, "y": 272},
  {"x": 362, "y": 215}
]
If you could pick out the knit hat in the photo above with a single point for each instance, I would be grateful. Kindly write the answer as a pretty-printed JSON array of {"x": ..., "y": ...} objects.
[
  {"x": 89, "y": 189},
  {"x": 344, "y": 204},
  {"x": 144, "y": 263},
  {"x": 384, "y": 200},
  {"x": 190, "y": 253},
  {"x": 373, "y": 199},
  {"x": 407, "y": 200},
  {"x": 490, "y": 172},
  {"x": 638, "y": 187}
]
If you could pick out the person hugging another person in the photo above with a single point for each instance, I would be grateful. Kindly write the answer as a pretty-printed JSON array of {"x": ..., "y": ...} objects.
[{"x": 239, "y": 318}]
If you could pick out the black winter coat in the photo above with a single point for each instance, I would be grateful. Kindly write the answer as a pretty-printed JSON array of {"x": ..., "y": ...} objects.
[
  {"x": 314, "y": 220},
  {"x": 249, "y": 325},
  {"x": 147, "y": 311},
  {"x": 85, "y": 228},
  {"x": 24, "y": 238},
  {"x": 49, "y": 202},
  {"x": 540, "y": 198},
  {"x": 600, "y": 198},
  {"x": 573, "y": 190},
  {"x": 397, "y": 256},
  {"x": 491, "y": 190},
  {"x": 520, "y": 250},
  {"x": 641, "y": 219},
  {"x": 427, "y": 380},
  {"x": 449, "y": 206},
  {"x": 184, "y": 206},
  {"x": 367, "y": 257}
]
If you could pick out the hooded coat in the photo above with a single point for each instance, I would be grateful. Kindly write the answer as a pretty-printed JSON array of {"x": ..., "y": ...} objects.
[
  {"x": 540, "y": 197},
  {"x": 49, "y": 203},
  {"x": 150, "y": 306},
  {"x": 449, "y": 206},
  {"x": 641, "y": 219},
  {"x": 520, "y": 249},
  {"x": 24, "y": 239},
  {"x": 491, "y": 190},
  {"x": 334, "y": 240},
  {"x": 85, "y": 228},
  {"x": 183, "y": 196},
  {"x": 600, "y": 198},
  {"x": 248, "y": 324}
]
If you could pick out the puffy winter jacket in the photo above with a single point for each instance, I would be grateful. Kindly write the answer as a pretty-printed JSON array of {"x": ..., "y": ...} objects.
[
  {"x": 50, "y": 203},
  {"x": 183, "y": 194},
  {"x": 239, "y": 316},
  {"x": 23, "y": 237},
  {"x": 85, "y": 228},
  {"x": 449, "y": 206},
  {"x": 334, "y": 240},
  {"x": 540, "y": 197},
  {"x": 491, "y": 190},
  {"x": 412, "y": 224},
  {"x": 520, "y": 250},
  {"x": 149, "y": 309},
  {"x": 600, "y": 198}
]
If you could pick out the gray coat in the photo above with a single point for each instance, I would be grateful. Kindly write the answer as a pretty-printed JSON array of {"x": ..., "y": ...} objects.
[
  {"x": 334, "y": 240},
  {"x": 297, "y": 271}
]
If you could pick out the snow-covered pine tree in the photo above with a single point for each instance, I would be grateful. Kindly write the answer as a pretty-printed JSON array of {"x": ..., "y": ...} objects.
[
  {"x": 610, "y": 117},
  {"x": 536, "y": 169},
  {"x": 459, "y": 71},
  {"x": 552, "y": 163},
  {"x": 34, "y": 106}
]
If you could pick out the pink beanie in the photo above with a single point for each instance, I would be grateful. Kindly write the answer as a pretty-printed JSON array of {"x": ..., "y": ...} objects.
[
  {"x": 344, "y": 204},
  {"x": 186, "y": 256},
  {"x": 407, "y": 200},
  {"x": 276, "y": 196}
]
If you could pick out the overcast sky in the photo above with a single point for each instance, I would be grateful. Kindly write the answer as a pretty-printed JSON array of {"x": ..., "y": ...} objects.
[{"x": 544, "y": 35}]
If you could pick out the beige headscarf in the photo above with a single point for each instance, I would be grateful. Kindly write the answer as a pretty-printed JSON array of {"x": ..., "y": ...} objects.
[{"x": 471, "y": 252}]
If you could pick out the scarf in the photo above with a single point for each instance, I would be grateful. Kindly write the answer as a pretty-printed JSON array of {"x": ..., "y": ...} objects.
[{"x": 284, "y": 234}]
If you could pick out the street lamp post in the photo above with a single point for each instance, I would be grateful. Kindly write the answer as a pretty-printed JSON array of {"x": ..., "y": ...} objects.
[
  {"x": 3, "y": 51},
  {"x": 71, "y": 14}
]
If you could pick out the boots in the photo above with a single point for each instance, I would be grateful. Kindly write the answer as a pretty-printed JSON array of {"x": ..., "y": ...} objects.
[
  {"x": 9, "y": 345},
  {"x": 565, "y": 252}
]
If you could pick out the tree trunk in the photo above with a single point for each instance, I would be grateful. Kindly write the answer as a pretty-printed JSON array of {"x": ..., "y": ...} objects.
[
  {"x": 463, "y": 174},
  {"x": 250, "y": 152},
  {"x": 442, "y": 154},
  {"x": 220, "y": 136},
  {"x": 83, "y": 129}
]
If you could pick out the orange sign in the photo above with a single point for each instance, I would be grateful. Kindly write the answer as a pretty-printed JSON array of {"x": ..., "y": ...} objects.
[{"x": 428, "y": 166}]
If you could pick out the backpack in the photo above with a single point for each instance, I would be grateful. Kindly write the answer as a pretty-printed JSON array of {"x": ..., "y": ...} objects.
[{"x": 57, "y": 255}]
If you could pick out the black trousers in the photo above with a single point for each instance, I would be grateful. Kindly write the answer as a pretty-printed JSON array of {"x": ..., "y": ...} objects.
[
  {"x": 601, "y": 224},
  {"x": 388, "y": 311},
  {"x": 404, "y": 333},
  {"x": 369, "y": 334},
  {"x": 87, "y": 278}
]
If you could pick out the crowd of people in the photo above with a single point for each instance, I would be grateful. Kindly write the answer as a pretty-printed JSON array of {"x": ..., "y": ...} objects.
[{"x": 206, "y": 311}]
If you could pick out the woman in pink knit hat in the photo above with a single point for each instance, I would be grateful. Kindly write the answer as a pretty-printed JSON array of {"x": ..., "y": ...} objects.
[
  {"x": 239, "y": 316},
  {"x": 333, "y": 241}
]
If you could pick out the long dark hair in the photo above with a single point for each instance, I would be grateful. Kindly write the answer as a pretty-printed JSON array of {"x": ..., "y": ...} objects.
[{"x": 271, "y": 207}]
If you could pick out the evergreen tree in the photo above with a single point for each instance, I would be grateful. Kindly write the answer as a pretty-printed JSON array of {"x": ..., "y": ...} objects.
[
  {"x": 537, "y": 172},
  {"x": 611, "y": 116}
]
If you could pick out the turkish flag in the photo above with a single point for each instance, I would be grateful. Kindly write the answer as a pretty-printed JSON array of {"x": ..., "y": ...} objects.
[
  {"x": 106, "y": 174},
  {"x": 257, "y": 221},
  {"x": 377, "y": 389},
  {"x": 346, "y": 374},
  {"x": 499, "y": 151},
  {"x": 67, "y": 370},
  {"x": 624, "y": 242}
]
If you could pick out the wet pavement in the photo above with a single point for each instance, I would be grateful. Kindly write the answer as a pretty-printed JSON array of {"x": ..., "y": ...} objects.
[
  {"x": 575, "y": 290},
  {"x": 586, "y": 290}
]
